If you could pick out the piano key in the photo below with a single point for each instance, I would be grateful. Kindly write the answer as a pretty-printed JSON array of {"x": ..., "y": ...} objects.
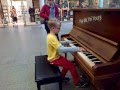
[
  {"x": 87, "y": 54},
  {"x": 97, "y": 62},
  {"x": 90, "y": 61},
  {"x": 94, "y": 59},
  {"x": 70, "y": 39},
  {"x": 91, "y": 57},
  {"x": 77, "y": 45},
  {"x": 87, "y": 57},
  {"x": 65, "y": 39},
  {"x": 71, "y": 44}
]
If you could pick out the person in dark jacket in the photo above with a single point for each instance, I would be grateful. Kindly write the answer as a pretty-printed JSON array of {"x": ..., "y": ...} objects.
[
  {"x": 32, "y": 14},
  {"x": 48, "y": 11}
]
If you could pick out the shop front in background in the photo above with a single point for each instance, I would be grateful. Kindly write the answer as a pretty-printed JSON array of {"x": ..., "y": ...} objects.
[
  {"x": 66, "y": 6},
  {"x": 21, "y": 7}
]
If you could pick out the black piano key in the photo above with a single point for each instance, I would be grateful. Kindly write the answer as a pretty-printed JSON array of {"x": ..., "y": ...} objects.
[
  {"x": 87, "y": 54},
  {"x": 84, "y": 51},
  {"x": 77, "y": 45},
  {"x": 70, "y": 39},
  {"x": 94, "y": 60},
  {"x": 90, "y": 57},
  {"x": 98, "y": 62}
]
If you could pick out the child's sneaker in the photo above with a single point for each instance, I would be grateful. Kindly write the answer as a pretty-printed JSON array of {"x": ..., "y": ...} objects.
[
  {"x": 82, "y": 85},
  {"x": 66, "y": 79}
]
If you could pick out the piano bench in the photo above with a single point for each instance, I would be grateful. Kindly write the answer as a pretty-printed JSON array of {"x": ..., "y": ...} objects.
[{"x": 46, "y": 73}]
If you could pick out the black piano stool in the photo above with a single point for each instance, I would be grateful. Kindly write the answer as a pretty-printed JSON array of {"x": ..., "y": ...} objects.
[{"x": 46, "y": 73}]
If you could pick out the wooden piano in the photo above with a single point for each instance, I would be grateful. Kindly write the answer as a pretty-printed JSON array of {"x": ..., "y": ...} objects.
[{"x": 98, "y": 32}]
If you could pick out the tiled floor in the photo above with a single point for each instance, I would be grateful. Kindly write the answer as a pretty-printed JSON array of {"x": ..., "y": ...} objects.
[{"x": 18, "y": 47}]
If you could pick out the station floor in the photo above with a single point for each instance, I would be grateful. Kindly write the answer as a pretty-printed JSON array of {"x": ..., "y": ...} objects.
[{"x": 18, "y": 47}]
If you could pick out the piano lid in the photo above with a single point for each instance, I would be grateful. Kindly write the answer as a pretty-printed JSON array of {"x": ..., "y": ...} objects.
[
  {"x": 98, "y": 30},
  {"x": 103, "y": 22}
]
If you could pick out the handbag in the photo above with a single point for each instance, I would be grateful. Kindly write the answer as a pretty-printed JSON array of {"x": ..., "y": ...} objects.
[{"x": 42, "y": 20}]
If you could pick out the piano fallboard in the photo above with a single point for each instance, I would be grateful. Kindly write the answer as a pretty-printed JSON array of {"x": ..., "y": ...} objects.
[
  {"x": 103, "y": 22},
  {"x": 101, "y": 46}
]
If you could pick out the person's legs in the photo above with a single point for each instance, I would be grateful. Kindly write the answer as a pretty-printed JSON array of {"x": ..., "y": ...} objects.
[
  {"x": 15, "y": 19},
  {"x": 30, "y": 18},
  {"x": 46, "y": 27},
  {"x": 63, "y": 62}
]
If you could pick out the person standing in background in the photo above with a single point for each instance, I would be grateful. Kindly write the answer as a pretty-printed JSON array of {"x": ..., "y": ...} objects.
[
  {"x": 32, "y": 14},
  {"x": 13, "y": 15},
  {"x": 48, "y": 11}
]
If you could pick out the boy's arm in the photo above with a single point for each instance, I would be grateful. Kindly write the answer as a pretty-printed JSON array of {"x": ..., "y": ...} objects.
[
  {"x": 63, "y": 49},
  {"x": 65, "y": 42}
]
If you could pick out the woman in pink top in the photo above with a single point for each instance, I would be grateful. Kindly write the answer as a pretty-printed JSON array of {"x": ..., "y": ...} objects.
[{"x": 13, "y": 14}]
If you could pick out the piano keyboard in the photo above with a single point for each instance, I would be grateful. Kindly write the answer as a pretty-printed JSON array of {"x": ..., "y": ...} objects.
[{"x": 87, "y": 57}]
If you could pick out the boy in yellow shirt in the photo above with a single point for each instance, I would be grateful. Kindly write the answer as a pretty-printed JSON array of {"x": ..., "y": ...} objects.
[{"x": 54, "y": 47}]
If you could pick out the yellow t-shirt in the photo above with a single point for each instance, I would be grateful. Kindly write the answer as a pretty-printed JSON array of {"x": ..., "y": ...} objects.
[{"x": 52, "y": 47}]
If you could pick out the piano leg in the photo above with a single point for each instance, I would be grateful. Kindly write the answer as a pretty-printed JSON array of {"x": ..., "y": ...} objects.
[
  {"x": 118, "y": 85},
  {"x": 93, "y": 87}
]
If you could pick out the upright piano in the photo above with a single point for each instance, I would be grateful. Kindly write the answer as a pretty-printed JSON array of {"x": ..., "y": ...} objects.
[{"x": 98, "y": 32}]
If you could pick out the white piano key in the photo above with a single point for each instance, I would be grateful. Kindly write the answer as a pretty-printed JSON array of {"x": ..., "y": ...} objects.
[
  {"x": 93, "y": 59},
  {"x": 97, "y": 61},
  {"x": 85, "y": 58}
]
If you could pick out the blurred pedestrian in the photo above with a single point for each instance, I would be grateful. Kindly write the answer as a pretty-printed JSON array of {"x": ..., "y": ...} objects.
[
  {"x": 48, "y": 11},
  {"x": 32, "y": 14},
  {"x": 13, "y": 15}
]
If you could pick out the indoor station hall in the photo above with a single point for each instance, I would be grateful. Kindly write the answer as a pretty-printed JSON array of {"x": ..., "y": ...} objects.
[
  {"x": 18, "y": 48},
  {"x": 91, "y": 27}
]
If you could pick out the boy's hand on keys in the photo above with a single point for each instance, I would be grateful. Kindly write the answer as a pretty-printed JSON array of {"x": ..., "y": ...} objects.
[{"x": 82, "y": 49}]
